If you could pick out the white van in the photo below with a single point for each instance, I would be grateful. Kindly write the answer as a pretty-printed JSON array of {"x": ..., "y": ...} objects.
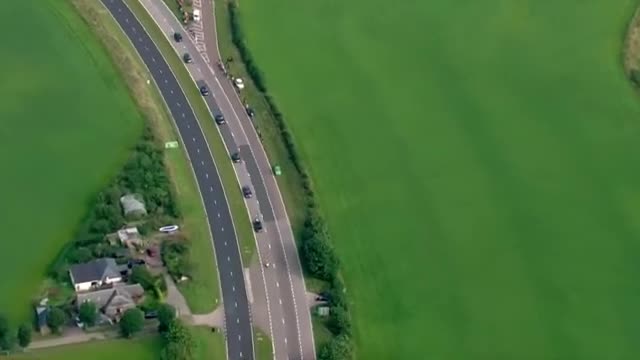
[{"x": 196, "y": 15}]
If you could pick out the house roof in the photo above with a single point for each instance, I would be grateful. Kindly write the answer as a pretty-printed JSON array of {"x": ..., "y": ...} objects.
[
  {"x": 96, "y": 270},
  {"x": 118, "y": 296}
]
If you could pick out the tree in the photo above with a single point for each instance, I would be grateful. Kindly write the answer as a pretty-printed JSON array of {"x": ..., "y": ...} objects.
[
  {"x": 319, "y": 258},
  {"x": 339, "y": 348},
  {"x": 166, "y": 315},
  {"x": 56, "y": 319},
  {"x": 4, "y": 326},
  {"x": 7, "y": 341},
  {"x": 131, "y": 322},
  {"x": 339, "y": 321},
  {"x": 142, "y": 276},
  {"x": 24, "y": 335},
  {"x": 88, "y": 313},
  {"x": 179, "y": 342}
]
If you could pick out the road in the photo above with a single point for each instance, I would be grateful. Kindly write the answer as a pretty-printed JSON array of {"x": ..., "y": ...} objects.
[
  {"x": 238, "y": 328},
  {"x": 283, "y": 291}
]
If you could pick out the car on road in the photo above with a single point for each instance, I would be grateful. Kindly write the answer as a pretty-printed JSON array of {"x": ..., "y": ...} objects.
[
  {"x": 239, "y": 83},
  {"x": 257, "y": 225},
  {"x": 235, "y": 157},
  {"x": 196, "y": 15},
  {"x": 219, "y": 118},
  {"x": 277, "y": 171},
  {"x": 204, "y": 90},
  {"x": 177, "y": 37},
  {"x": 187, "y": 58},
  {"x": 246, "y": 191}
]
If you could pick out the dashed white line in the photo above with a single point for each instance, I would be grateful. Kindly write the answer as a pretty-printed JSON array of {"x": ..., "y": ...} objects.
[{"x": 206, "y": 175}]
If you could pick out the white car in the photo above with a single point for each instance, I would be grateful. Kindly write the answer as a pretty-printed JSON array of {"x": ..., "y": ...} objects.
[
  {"x": 196, "y": 15},
  {"x": 239, "y": 83}
]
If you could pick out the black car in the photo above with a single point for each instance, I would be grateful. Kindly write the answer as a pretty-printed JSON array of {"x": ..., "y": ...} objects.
[
  {"x": 219, "y": 119},
  {"x": 151, "y": 314},
  {"x": 187, "y": 58},
  {"x": 250, "y": 112},
  {"x": 177, "y": 37},
  {"x": 235, "y": 157},
  {"x": 246, "y": 191},
  {"x": 204, "y": 90},
  {"x": 257, "y": 225}
]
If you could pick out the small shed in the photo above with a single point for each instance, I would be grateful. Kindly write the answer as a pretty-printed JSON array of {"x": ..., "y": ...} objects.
[
  {"x": 42, "y": 314},
  {"x": 129, "y": 235},
  {"x": 133, "y": 205},
  {"x": 322, "y": 310}
]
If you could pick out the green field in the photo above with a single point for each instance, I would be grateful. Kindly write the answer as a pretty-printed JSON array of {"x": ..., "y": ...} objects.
[
  {"x": 476, "y": 161},
  {"x": 143, "y": 349},
  {"x": 66, "y": 124}
]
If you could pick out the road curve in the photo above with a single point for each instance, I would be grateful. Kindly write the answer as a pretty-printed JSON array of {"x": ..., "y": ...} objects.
[{"x": 238, "y": 328}]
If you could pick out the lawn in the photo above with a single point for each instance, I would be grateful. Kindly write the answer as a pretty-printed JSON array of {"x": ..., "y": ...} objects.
[
  {"x": 139, "y": 349},
  {"x": 475, "y": 163},
  {"x": 66, "y": 126}
]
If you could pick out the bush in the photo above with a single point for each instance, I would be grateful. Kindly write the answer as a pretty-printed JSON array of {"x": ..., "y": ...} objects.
[
  {"x": 142, "y": 276},
  {"x": 166, "y": 315},
  {"x": 88, "y": 313},
  {"x": 339, "y": 348},
  {"x": 131, "y": 322},
  {"x": 339, "y": 321},
  {"x": 319, "y": 258},
  {"x": 179, "y": 342},
  {"x": 24, "y": 335},
  {"x": 56, "y": 319},
  {"x": 175, "y": 256}
]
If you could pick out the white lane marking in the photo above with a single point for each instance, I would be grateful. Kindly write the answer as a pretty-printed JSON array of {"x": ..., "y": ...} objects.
[
  {"x": 194, "y": 139},
  {"x": 206, "y": 175},
  {"x": 228, "y": 258},
  {"x": 269, "y": 246},
  {"x": 202, "y": 162},
  {"x": 211, "y": 188},
  {"x": 215, "y": 202},
  {"x": 238, "y": 320},
  {"x": 231, "y": 273},
  {"x": 166, "y": 81},
  {"x": 225, "y": 243},
  {"x": 198, "y": 150},
  {"x": 171, "y": 91},
  {"x": 160, "y": 71},
  {"x": 221, "y": 229},
  {"x": 277, "y": 284},
  {"x": 218, "y": 214},
  {"x": 126, "y": 20},
  {"x": 280, "y": 300},
  {"x": 179, "y": 105},
  {"x": 283, "y": 320},
  {"x": 153, "y": 59},
  {"x": 233, "y": 288},
  {"x": 239, "y": 337},
  {"x": 235, "y": 303}
]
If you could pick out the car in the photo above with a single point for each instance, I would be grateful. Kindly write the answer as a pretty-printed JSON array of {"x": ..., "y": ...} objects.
[
  {"x": 187, "y": 58},
  {"x": 257, "y": 225},
  {"x": 235, "y": 157},
  {"x": 277, "y": 171},
  {"x": 246, "y": 191},
  {"x": 204, "y": 90},
  {"x": 219, "y": 118},
  {"x": 250, "y": 112},
  {"x": 151, "y": 314},
  {"x": 177, "y": 37},
  {"x": 239, "y": 83},
  {"x": 196, "y": 15}
]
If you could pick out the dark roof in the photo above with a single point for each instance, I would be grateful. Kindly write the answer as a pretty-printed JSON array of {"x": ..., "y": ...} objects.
[{"x": 95, "y": 270}]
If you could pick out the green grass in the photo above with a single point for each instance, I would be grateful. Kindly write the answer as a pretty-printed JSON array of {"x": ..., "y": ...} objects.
[
  {"x": 262, "y": 342},
  {"x": 321, "y": 333},
  {"x": 209, "y": 345},
  {"x": 223, "y": 163},
  {"x": 477, "y": 165},
  {"x": 66, "y": 126},
  {"x": 139, "y": 349},
  {"x": 202, "y": 292}
]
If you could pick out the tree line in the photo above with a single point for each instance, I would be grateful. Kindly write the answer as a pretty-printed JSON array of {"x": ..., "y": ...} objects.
[{"x": 317, "y": 254}]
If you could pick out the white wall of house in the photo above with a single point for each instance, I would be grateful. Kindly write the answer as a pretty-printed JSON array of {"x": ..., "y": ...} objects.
[
  {"x": 83, "y": 286},
  {"x": 109, "y": 280}
]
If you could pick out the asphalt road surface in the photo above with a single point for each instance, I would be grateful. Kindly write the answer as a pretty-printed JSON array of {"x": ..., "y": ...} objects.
[
  {"x": 282, "y": 290},
  {"x": 236, "y": 308}
]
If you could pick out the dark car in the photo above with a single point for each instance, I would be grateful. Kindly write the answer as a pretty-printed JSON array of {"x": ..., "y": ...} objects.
[
  {"x": 151, "y": 314},
  {"x": 187, "y": 58},
  {"x": 177, "y": 37},
  {"x": 246, "y": 191},
  {"x": 219, "y": 119},
  {"x": 235, "y": 157},
  {"x": 257, "y": 225},
  {"x": 204, "y": 90},
  {"x": 250, "y": 112}
]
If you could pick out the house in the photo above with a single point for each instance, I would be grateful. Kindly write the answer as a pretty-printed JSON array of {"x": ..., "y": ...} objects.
[
  {"x": 95, "y": 274},
  {"x": 42, "y": 313},
  {"x": 114, "y": 301}
]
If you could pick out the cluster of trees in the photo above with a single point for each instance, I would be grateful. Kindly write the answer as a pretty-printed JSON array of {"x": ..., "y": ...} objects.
[
  {"x": 318, "y": 256},
  {"x": 131, "y": 322},
  {"x": 178, "y": 340},
  {"x": 176, "y": 257},
  {"x": 9, "y": 337},
  {"x": 155, "y": 284}
]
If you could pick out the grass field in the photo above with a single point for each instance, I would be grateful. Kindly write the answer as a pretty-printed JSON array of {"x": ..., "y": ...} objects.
[
  {"x": 66, "y": 125},
  {"x": 476, "y": 163},
  {"x": 140, "y": 349}
]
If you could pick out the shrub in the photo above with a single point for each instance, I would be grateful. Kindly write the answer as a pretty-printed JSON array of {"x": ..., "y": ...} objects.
[
  {"x": 88, "y": 313},
  {"x": 339, "y": 348},
  {"x": 24, "y": 335},
  {"x": 56, "y": 319},
  {"x": 179, "y": 342},
  {"x": 166, "y": 315},
  {"x": 131, "y": 322},
  {"x": 339, "y": 321}
]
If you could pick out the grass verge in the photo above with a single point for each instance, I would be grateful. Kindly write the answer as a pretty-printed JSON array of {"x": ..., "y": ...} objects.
[
  {"x": 203, "y": 291},
  {"x": 262, "y": 342},
  {"x": 224, "y": 165},
  {"x": 209, "y": 345}
]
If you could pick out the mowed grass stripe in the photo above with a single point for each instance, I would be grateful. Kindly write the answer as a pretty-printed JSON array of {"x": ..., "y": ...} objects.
[
  {"x": 476, "y": 164},
  {"x": 66, "y": 125}
]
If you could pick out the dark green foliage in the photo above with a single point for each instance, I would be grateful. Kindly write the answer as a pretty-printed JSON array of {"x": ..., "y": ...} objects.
[
  {"x": 24, "y": 335},
  {"x": 88, "y": 313},
  {"x": 4, "y": 326},
  {"x": 175, "y": 255},
  {"x": 8, "y": 342},
  {"x": 56, "y": 319},
  {"x": 635, "y": 77},
  {"x": 178, "y": 342},
  {"x": 339, "y": 321},
  {"x": 142, "y": 276},
  {"x": 79, "y": 255},
  {"x": 166, "y": 315},
  {"x": 237, "y": 36},
  {"x": 319, "y": 258},
  {"x": 132, "y": 322},
  {"x": 339, "y": 348}
]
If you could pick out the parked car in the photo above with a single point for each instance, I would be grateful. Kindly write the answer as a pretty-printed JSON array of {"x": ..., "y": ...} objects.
[
  {"x": 219, "y": 119},
  {"x": 187, "y": 58},
  {"x": 204, "y": 90},
  {"x": 239, "y": 83},
  {"x": 177, "y": 37},
  {"x": 257, "y": 225},
  {"x": 246, "y": 191},
  {"x": 151, "y": 314},
  {"x": 235, "y": 157},
  {"x": 250, "y": 112},
  {"x": 196, "y": 15}
]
